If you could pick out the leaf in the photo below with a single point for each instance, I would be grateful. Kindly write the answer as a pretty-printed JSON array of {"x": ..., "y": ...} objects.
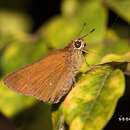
[
  {"x": 69, "y": 7},
  {"x": 89, "y": 12},
  {"x": 84, "y": 105},
  {"x": 116, "y": 58},
  {"x": 19, "y": 53},
  {"x": 60, "y": 32},
  {"x": 114, "y": 43},
  {"x": 14, "y": 22},
  {"x": 100, "y": 87},
  {"x": 62, "y": 29},
  {"x": 11, "y": 103},
  {"x": 14, "y": 56},
  {"x": 118, "y": 61},
  {"x": 39, "y": 49},
  {"x": 121, "y": 7}
]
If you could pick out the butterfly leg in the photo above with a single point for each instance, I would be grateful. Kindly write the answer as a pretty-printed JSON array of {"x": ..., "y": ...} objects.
[{"x": 74, "y": 81}]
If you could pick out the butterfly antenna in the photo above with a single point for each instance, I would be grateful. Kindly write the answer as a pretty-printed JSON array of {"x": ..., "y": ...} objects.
[
  {"x": 82, "y": 29},
  {"x": 88, "y": 33}
]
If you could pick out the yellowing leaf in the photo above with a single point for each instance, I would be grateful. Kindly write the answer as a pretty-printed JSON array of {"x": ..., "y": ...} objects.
[
  {"x": 92, "y": 101},
  {"x": 11, "y": 103}
]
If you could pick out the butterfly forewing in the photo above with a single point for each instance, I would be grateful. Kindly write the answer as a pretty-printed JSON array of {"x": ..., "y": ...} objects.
[{"x": 48, "y": 79}]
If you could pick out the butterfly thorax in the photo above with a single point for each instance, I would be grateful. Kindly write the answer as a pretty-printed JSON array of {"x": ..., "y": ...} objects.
[
  {"x": 76, "y": 61},
  {"x": 75, "y": 55}
]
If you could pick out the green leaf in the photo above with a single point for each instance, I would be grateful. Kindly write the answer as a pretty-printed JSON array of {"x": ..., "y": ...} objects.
[
  {"x": 38, "y": 49},
  {"x": 14, "y": 56},
  {"x": 95, "y": 16},
  {"x": 59, "y": 32},
  {"x": 116, "y": 58},
  {"x": 12, "y": 103},
  {"x": 14, "y": 22},
  {"x": 114, "y": 44},
  {"x": 69, "y": 7},
  {"x": 84, "y": 105},
  {"x": 19, "y": 53},
  {"x": 62, "y": 29},
  {"x": 118, "y": 61},
  {"x": 121, "y": 7}
]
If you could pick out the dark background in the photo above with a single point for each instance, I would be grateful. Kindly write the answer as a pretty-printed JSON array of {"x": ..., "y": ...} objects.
[{"x": 40, "y": 11}]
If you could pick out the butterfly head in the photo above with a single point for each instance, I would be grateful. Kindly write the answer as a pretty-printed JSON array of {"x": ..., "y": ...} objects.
[{"x": 79, "y": 44}]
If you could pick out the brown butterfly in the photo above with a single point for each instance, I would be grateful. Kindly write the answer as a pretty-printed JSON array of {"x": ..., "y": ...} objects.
[{"x": 51, "y": 78}]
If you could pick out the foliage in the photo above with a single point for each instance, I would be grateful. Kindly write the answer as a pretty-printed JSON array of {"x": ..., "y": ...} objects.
[{"x": 100, "y": 86}]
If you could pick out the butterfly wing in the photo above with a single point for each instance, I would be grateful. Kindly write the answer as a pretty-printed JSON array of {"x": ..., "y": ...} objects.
[{"x": 48, "y": 79}]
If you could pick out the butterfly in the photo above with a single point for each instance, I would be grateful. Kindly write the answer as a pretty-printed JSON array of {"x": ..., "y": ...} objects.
[{"x": 51, "y": 78}]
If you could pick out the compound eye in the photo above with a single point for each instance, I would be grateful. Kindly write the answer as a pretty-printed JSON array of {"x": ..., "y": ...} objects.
[{"x": 77, "y": 44}]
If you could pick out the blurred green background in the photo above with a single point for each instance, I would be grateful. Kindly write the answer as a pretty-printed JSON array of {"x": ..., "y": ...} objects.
[{"x": 30, "y": 29}]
